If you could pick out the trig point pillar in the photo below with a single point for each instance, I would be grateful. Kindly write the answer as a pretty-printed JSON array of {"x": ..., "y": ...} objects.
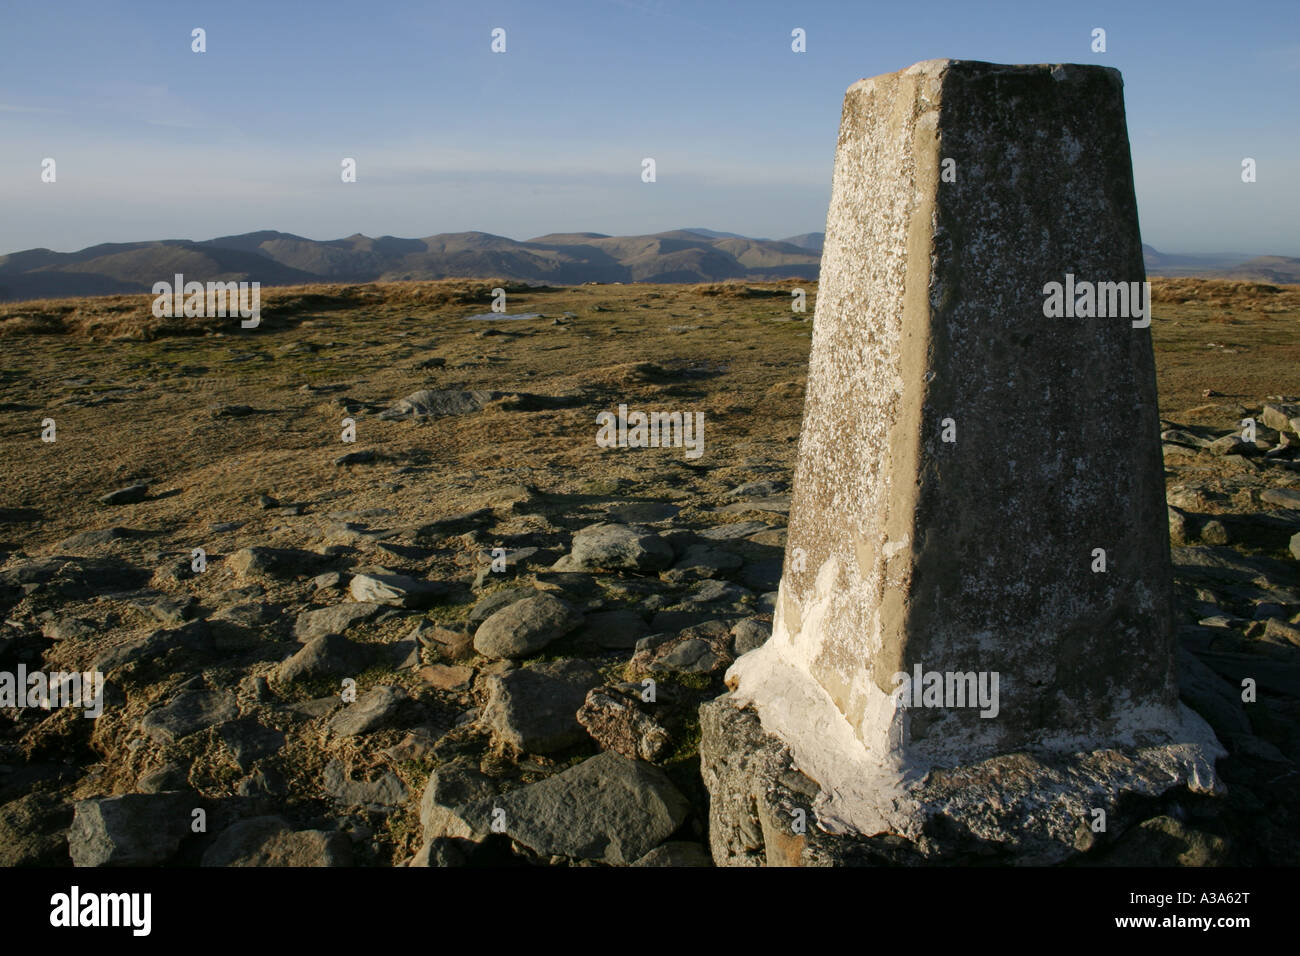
[{"x": 974, "y": 633}]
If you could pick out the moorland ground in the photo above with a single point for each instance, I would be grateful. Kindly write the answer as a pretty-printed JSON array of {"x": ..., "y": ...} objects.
[{"x": 237, "y": 436}]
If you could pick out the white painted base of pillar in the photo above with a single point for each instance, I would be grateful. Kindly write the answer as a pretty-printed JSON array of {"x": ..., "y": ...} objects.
[{"x": 883, "y": 789}]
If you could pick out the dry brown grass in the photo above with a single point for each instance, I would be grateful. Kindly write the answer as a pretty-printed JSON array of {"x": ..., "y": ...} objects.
[
  {"x": 140, "y": 407},
  {"x": 1225, "y": 293},
  {"x": 124, "y": 317},
  {"x": 1240, "y": 339},
  {"x": 733, "y": 289}
]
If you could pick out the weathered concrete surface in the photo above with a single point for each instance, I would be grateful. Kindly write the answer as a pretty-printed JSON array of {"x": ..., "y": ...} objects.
[
  {"x": 974, "y": 555},
  {"x": 1023, "y": 809}
]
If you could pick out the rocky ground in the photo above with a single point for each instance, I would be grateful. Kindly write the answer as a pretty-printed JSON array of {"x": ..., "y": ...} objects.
[{"x": 472, "y": 635}]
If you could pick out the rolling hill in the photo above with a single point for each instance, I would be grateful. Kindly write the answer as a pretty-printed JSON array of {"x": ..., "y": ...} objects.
[
  {"x": 279, "y": 258},
  {"x": 681, "y": 255},
  {"x": 1227, "y": 265}
]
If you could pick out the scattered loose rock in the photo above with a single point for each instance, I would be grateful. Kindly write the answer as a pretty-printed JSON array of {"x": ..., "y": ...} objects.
[
  {"x": 126, "y": 496},
  {"x": 534, "y": 709},
  {"x": 135, "y": 829},
  {"x": 397, "y": 590},
  {"x": 187, "y": 713},
  {"x": 616, "y": 547},
  {"x": 375, "y": 709},
  {"x": 617, "y": 723},
  {"x": 335, "y": 619},
  {"x": 628, "y": 808},
  {"x": 330, "y": 654},
  {"x": 525, "y": 627},
  {"x": 271, "y": 841}
]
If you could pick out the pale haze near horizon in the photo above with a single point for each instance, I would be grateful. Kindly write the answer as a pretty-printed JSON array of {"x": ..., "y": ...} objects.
[{"x": 154, "y": 141}]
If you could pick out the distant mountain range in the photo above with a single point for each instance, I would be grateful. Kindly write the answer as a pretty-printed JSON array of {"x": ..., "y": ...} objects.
[
  {"x": 683, "y": 255},
  {"x": 1224, "y": 265},
  {"x": 278, "y": 258}
]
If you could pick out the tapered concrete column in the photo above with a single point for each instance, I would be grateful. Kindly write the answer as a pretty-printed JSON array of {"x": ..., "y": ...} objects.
[{"x": 977, "y": 561}]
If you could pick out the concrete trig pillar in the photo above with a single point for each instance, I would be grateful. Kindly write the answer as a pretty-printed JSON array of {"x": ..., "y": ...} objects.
[{"x": 977, "y": 562}]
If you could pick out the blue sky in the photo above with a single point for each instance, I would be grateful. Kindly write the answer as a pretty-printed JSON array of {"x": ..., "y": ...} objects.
[{"x": 154, "y": 141}]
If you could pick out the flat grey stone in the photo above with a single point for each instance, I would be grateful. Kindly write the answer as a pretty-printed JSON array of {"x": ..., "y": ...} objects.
[
  {"x": 764, "y": 575},
  {"x": 397, "y": 590},
  {"x": 193, "y": 636},
  {"x": 616, "y": 547},
  {"x": 330, "y": 579},
  {"x": 1202, "y": 689},
  {"x": 703, "y": 648},
  {"x": 317, "y": 707},
  {"x": 691, "y": 657},
  {"x": 374, "y": 710},
  {"x": 84, "y": 540},
  {"x": 363, "y": 457},
  {"x": 1282, "y": 416},
  {"x": 166, "y": 609},
  {"x": 70, "y": 577},
  {"x": 491, "y": 603},
  {"x": 778, "y": 504},
  {"x": 387, "y": 791},
  {"x": 250, "y": 741},
  {"x": 731, "y": 532},
  {"x": 607, "y": 808},
  {"x": 69, "y": 628},
  {"x": 335, "y": 619},
  {"x": 764, "y": 488},
  {"x": 441, "y": 852},
  {"x": 330, "y": 654},
  {"x": 249, "y": 614},
  {"x": 525, "y": 627},
  {"x": 1164, "y": 841},
  {"x": 271, "y": 841},
  {"x": 639, "y": 512},
  {"x": 134, "y": 829},
  {"x": 501, "y": 316},
  {"x": 1210, "y": 565},
  {"x": 1228, "y": 445},
  {"x": 715, "y": 591},
  {"x": 34, "y": 831},
  {"x": 449, "y": 790},
  {"x": 170, "y": 776},
  {"x": 272, "y": 562},
  {"x": 534, "y": 709},
  {"x": 231, "y": 411},
  {"x": 440, "y": 528},
  {"x": 188, "y": 713},
  {"x": 1180, "y": 437},
  {"x": 749, "y": 634},
  {"x": 1282, "y": 497}
]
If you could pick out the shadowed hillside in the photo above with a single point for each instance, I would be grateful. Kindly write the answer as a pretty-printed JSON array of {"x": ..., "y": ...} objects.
[{"x": 278, "y": 258}]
